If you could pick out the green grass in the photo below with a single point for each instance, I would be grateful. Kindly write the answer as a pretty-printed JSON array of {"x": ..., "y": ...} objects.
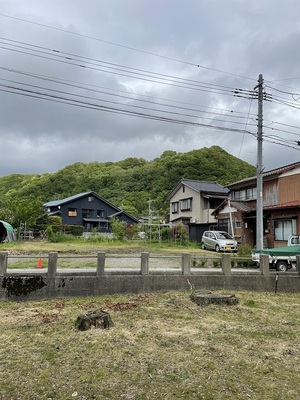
[{"x": 163, "y": 346}]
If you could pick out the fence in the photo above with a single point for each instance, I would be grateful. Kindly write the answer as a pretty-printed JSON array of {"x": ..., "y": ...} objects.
[{"x": 54, "y": 282}]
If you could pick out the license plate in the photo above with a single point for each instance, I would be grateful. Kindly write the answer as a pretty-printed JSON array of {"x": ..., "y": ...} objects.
[{"x": 228, "y": 248}]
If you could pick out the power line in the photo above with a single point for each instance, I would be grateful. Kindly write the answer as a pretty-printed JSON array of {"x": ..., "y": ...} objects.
[
  {"x": 46, "y": 96},
  {"x": 89, "y": 87},
  {"x": 132, "y": 73},
  {"x": 126, "y": 47}
]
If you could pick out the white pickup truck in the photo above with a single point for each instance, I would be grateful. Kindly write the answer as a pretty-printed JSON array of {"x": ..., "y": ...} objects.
[{"x": 281, "y": 258}]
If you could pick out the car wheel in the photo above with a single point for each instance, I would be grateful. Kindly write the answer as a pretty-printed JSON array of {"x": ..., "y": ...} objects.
[
  {"x": 217, "y": 248},
  {"x": 203, "y": 246},
  {"x": 281, "y": 266}
]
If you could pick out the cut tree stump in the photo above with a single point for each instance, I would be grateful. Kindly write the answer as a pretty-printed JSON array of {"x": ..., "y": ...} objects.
[
  {"x": 206, "y": 298},
  {"x": 94, "y": 319}
]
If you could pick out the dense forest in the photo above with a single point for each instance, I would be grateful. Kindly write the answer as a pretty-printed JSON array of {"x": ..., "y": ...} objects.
[{"x": 129, "y": 183}]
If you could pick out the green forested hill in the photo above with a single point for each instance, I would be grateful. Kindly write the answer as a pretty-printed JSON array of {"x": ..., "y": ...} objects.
[{"x": 130, "y": 182}]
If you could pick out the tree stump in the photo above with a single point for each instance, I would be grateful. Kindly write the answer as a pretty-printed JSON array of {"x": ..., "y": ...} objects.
[
  {"x": 94, "y": 319},
  {"x": 206, "y": 298}
]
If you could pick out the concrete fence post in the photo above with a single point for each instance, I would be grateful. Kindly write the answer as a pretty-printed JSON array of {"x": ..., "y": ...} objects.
[
  {"x": 298, "y": 264},
  {"x": 264, "y": 265},
  {"x": 100, "y": 263},
  {"x": 186, "y": 264},
  {"x": 52, "y": 264},
  {"x": 3, "y": 262},
  {"x": 145, "y": 263},
  {"x": 226, "y": 264}
]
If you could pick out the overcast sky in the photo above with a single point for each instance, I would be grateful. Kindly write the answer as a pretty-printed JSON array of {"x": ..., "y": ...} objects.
[{"x": 99, "y": 80}]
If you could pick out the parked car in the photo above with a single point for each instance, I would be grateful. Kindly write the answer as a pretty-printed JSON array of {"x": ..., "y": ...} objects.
[{"x": 218, "y": 241}]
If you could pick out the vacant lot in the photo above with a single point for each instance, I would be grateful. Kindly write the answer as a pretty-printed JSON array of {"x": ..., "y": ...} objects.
[{"x": 163, "y": 346}]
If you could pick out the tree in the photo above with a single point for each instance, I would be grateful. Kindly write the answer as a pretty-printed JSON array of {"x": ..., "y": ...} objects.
[
  {"x": 118, "y": 228},
  {"x": 24, "y": 210}
]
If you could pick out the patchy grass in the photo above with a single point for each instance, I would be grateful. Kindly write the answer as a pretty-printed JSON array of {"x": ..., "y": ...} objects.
[
  {"x": 163, "y": 346},
  {"x": 81, "y": 245}
]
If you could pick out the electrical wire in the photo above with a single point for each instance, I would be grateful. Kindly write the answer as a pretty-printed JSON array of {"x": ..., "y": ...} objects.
[{"x": 126, "y": 47}]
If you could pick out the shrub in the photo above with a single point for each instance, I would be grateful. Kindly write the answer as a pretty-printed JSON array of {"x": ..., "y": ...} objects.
[
  {"x": 244, "y": 250},
  {"x": 74, "y": 230},
  {"x": 58, "y": 237}
]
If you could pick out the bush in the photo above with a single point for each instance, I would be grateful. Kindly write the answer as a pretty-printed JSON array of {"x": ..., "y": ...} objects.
[
  {"x": 55, "y": 222},
  {"x": 244, "y": 251},
  {"x": 58, "y": 237},
  {"x": 74, "y": 230},
  {"x": 118, "y": 228}
]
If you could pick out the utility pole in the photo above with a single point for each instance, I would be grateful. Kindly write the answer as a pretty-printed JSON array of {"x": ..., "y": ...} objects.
[{"x": 259, "y": 171}]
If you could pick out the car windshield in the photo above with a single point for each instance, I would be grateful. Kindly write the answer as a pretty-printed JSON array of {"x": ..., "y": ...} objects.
[{"x": 223, "y": 235}]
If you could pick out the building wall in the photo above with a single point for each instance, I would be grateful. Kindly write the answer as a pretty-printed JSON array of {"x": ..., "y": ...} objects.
[
  {"x": 289, "y": 188},
  {"x": 198, "y": 214},
  {"x": 83, "y": 203},
  {"x": 270, "y": 193},
  {"x": 185, "y": 192}
]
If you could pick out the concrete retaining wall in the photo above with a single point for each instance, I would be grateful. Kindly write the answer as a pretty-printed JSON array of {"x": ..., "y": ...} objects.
[{"x": 51, "y": 284}]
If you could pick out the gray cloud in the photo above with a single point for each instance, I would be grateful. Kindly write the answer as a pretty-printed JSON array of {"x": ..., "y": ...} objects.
[{"x": 156, "y": 42}]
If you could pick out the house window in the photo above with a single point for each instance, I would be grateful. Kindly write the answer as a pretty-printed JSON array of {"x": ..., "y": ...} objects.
[
  {"x": 284, "y": 228},
  {"x": 90, "y": 199},
  {"x": 240, "y": 195},
  {"x": 185, "y": 204},
  {"x": 223, "y": 224},
  {"x": 86, "y": 213},
  {"x": 251, "y": 194},
  {"x": 183, "y": 188},
  {"x": 237, "y": 224},
  {"x": 72, "y": 212},
  {"x": 174, "y": 207},
  {"x": 101, "y": 214}
]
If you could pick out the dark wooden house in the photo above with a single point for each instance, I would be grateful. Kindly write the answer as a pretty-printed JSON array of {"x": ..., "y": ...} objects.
[{"x": 89, "y": 210}]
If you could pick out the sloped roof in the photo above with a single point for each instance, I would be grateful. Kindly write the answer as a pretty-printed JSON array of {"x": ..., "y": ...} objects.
[
  {"x": 274, "y": 173},
  {"x": 242, "y": 206},
  {"x": 56, "y": 203},
  {"x": 207, "y": 187},
  {"x": 290, "y": 204},
  {"x": 238, "y": 205},
  {"x": 125, "y": 213},
  {"x": 67, "y": 199}
]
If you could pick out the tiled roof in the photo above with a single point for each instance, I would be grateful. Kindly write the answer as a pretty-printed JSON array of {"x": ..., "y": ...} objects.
[
  {"x": 242, "y": 206},
  {"x": 205, "y": 186}
]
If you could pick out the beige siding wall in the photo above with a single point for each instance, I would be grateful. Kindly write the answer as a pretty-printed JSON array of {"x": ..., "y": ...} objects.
[{"x": 197, "y": 213}]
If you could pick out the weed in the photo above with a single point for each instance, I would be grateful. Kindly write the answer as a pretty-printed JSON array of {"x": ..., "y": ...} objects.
[{"x": 164, "y": 347}]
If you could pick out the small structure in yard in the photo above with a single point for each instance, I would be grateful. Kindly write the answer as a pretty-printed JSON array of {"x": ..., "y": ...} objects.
[
  {"x": 6, "y": 232},
  {"x": 207, "y": 298},
  {"x": 94, "y": 319}
]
